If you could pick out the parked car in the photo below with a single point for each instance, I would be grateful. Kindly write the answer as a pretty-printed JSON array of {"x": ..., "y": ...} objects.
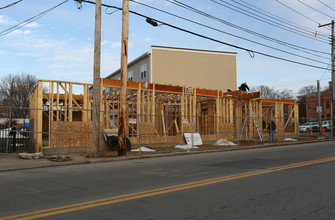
[
  {"x": 315, "y": 127},
  {"x": 306, "y": 127},
  {"x": 326, "y": 125}
]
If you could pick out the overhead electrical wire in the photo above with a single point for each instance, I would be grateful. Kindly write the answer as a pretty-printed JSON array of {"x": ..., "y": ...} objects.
[
  {"x": 326, "y": 5},
  {"x": 315, "y": 9},
  {"x": 15, "y": 27},
  {"x": 215, "y": 29},
  {"x": 298, "y": 12},
  {"x": 275, "y": 24},
  {"x": 278, "y": 18},
  {"x": 209, "y": 38},
  {"x": 180, "y": 4},
  {"x": 324, "y": 73},
  {"x": 11, "y": 4}
]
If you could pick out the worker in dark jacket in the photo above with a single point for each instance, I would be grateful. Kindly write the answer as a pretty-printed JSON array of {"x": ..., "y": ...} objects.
[
  {"x": 244, "y": 87},
  {"x": 272, "y": 129}
]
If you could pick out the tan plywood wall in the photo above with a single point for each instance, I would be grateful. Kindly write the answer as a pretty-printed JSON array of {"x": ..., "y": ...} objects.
[{"x": 197, "y": 69}]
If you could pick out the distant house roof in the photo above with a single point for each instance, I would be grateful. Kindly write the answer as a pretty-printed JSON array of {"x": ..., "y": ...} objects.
[
  {"x": 191, "y": 49},
  {"x": 129, "y": 64}
]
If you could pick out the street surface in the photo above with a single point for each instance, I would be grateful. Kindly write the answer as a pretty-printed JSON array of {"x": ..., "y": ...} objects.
[{"x": 289, "y": 182}]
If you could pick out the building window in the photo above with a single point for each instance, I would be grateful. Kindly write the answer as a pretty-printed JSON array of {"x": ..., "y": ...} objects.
[
  {"x": 327, "y": 104},
  {"x": 130, "y": 76},
  {"x": 143, "y": 71},
  {"x": 309, "y": 105}
]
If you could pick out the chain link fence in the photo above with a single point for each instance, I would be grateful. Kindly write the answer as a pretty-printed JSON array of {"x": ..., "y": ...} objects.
[
  {"x": 14, "y": 130},
  {"x": 63, "y": 131}
]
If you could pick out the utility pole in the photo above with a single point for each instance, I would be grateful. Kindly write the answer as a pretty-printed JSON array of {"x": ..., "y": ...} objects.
[
  {"x": 319, "y": 109},
  {"x": 124, "y": 74},
  {"x": 96, "y": 80},
  {"x": 332, "y": 76}
]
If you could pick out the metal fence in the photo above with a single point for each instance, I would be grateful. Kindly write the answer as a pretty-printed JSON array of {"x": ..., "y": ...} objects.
[
  {"x": 14, "y": 141},
  {"x": 52, "y": 132}
]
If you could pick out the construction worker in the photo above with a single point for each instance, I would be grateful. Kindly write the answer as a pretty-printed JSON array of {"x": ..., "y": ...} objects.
[
  {"x": 244, "y": 87},
  {"x": 272, "y": 129}
]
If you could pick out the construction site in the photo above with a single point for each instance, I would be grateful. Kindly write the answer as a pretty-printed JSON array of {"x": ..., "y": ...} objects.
[{"x": 61, "y": 114}]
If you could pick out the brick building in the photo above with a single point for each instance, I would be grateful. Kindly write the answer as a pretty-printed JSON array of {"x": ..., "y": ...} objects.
[{"x": 311, "y": 107}]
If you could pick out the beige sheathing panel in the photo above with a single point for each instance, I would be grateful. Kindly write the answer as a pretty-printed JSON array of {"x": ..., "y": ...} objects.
[{"x": 193, "y": 68}]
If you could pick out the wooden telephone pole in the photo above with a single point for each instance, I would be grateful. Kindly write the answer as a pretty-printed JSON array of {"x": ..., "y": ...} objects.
[
  {"x": 124, "y": 75},
  {"x": 332, "y": 76},
  {"x": 96, "y": 80}
]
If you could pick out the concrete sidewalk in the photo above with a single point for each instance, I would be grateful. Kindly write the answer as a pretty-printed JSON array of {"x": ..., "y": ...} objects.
[{"x": 13, "y": 162}]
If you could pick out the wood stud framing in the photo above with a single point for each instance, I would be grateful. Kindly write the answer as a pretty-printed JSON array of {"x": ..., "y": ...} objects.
[{"x": 156, "y": 110}]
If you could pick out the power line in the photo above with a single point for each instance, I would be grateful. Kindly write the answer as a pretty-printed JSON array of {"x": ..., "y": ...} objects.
[
  {"x": 248, "y": 30},
  {"x": 180, "y": 4},
  {"x": 211, "y": 39},
  {"x": 326, "y": 5},
  {"x": 275, "y": 24},
  {"x": 15, "y": 27},
  {"x": 278, "y": 18},
  {"x": 315, "y": 9},
  {"x": 10, "y": 5},
  {"x": 326, "y": 70},
  {"x": 215, "y": 29},
  {"x": 297, "y": 12}
]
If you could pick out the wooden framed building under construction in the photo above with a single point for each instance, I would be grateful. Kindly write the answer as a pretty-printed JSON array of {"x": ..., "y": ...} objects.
[{"x": 60, "y": 117}]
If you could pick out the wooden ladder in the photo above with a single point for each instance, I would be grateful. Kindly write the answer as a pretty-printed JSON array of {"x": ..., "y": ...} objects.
[{"x": 260, "y": 133}]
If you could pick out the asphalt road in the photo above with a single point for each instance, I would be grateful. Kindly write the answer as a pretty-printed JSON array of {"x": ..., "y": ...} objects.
[{"x": 290, "y": 182}]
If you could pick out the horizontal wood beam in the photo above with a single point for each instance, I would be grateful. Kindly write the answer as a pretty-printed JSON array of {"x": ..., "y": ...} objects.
[{"x": 274, "y": 101}]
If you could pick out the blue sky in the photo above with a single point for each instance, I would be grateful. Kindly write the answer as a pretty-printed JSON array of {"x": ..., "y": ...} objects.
[{"x": 59, "y": 45}]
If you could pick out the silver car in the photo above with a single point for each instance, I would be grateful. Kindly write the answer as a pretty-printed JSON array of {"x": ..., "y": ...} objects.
[{"x": 306, "y": 127}]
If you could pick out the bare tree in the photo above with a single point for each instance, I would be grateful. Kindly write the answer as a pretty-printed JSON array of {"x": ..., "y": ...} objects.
[
  {"x": 15, "y": 91},
  {"x": 271, "y": 93},
  {"x": 286, "y": 94},
  {"x": 266, "y": 91},
  {"x": 310, "y": 90}
]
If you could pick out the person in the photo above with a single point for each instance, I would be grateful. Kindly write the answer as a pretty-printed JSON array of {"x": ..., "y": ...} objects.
[
  {"x": 272, "y": 129},
  {"x": 13, "y": 133},
  {"x": 244, "y": 87}
]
